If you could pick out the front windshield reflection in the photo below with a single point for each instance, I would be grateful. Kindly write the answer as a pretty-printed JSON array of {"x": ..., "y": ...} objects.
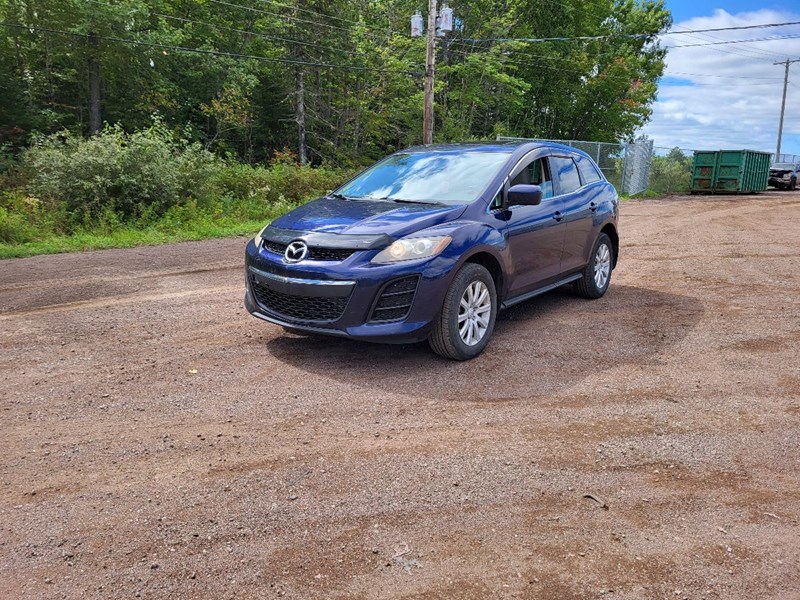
[{"x": 435, "y": 177}]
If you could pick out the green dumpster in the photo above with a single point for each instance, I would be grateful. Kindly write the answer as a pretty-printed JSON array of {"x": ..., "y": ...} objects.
[{"x": 730, "y": 171}]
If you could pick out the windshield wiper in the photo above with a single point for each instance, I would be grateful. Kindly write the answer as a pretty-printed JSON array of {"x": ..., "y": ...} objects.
[
  {"x": 342, "y": 196},
  {"x": 402, "y": 201}
]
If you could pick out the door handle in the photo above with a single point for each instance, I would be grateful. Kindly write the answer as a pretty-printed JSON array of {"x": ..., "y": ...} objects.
[
  {"x": 592, "y": 206},
  {"x": 557, "y": 215}
]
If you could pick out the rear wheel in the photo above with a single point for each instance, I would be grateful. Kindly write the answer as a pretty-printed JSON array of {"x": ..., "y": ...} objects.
[
  {"x": 597, "y": 274},
  {"x": 467, "y": 319}
]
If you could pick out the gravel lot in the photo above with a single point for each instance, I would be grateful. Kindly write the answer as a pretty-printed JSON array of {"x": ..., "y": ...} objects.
[{"x": 158, "y": 442}]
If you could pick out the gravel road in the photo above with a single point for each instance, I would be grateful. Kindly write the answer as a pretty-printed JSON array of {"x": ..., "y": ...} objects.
[{"x": 158, "y": 442}]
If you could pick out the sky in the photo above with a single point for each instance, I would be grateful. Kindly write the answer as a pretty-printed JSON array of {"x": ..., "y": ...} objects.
[{"x": 728, "y": 95}]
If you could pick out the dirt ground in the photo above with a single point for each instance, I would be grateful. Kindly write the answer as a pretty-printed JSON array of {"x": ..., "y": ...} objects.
[{"x": 158, "y": 442}]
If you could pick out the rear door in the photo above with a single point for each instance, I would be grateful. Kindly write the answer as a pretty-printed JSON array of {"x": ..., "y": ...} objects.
[
  {"x": 580, "y": 193},
  {"x": 535, "y": 233}
]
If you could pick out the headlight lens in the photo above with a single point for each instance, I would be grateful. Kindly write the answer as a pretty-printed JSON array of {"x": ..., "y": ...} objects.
[
  {"x": 257, "y": 239},
  {"x": 413, "y": 248}
]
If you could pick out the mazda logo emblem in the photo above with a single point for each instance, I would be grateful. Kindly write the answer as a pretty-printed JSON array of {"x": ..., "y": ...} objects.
[{"x": 295, "y": 252}]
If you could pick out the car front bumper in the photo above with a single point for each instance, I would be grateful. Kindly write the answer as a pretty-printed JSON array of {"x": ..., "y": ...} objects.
[
  {"x": 342, "y": 298},
  {"x": 779, "y": 181}
]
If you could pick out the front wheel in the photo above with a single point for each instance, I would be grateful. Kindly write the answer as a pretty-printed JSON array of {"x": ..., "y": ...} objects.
[
  {"x": 597, "y": 274},
  {"x": 466, "y": 322}
]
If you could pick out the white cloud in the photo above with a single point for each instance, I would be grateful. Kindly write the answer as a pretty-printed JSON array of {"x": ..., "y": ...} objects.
[{"x": 729, "y": 95}]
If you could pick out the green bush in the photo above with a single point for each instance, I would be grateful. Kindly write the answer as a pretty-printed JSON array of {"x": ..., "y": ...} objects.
[
  {"x": 135, "y": 175},
  {"x": 671, "y": 173},
  {"x": 110, "y": 190},
  {"x": 20, "y": 218},
  {"x": 293, "y": 183}
]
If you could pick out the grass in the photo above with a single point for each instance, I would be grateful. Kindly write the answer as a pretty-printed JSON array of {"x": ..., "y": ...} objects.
[
  {"x": 201, "y": 227},
  {"x": 129, "y": 237}
]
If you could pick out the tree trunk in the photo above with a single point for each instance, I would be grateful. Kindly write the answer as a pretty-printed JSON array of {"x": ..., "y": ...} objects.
[
  {"x": 357, "y": 131},
  {"x": 95, "y": 116},
  {"x": 430, "y": 61},
  {"x": 300, "y": 116}
]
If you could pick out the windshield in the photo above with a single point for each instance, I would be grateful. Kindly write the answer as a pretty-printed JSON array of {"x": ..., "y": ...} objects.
[
  {"x": 433, "y": 177},
  {"x": 787, "y": 166}
]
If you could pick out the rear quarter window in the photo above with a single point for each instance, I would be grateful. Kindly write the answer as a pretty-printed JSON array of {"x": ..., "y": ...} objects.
[
  {"x": 589, "y": 172},
  {"x": 566, "y": 173}
]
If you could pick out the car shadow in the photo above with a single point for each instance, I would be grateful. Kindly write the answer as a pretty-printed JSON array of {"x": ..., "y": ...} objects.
[{"x": 539, "y": 347}]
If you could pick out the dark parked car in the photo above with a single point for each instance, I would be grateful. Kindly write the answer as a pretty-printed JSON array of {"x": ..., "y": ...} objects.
[
  {"x": 432, "y": 241},
  {"x": 784, "y": 175}
]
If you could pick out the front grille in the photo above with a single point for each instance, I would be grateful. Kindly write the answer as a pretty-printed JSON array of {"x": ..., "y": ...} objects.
[
  {"x": 300, "y": 308},
  {"x": 275, "y": 247},
  {"x": 394, "y": 302},
  {"x": 314, "y": 253},
  {"x": 329, "y": 253}
]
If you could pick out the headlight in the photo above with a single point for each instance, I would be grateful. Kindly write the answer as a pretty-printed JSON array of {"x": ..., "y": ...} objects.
[
  {"x": 257, "y": 239},
  {"x": 412, "y": 248}
]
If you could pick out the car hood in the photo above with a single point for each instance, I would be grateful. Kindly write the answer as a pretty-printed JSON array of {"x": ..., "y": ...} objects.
[{"x": 364, "y": 217}]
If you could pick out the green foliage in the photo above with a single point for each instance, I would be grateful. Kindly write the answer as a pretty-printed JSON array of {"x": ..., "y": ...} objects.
[
  {"x": 368, "y": 103},
  {"x": 128, "y": 175},
  {"x": 20, "y": 218},
  {"x": 227, "y": 198},
  {"x": 671, "y": 173},
  {"x": 292, "y": 183},
  {"x": 190, "y": 129}
]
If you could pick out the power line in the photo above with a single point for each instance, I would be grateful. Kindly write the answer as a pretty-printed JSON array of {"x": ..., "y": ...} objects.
[
  {"x": 305, "y": 10},
  {"x": 751, "y": 53},
  {"x": 723, "y": 42},
  {"x": 243, "y": 31},
  {"x": 516, "y": 62},
  {"x": 327, "y": 16},
  {"x": 750, "y": 49},
  {"x": 235, "y": 30},
  {"x": 206, "y": 52},
  {"x": 274, "y": 14},
  {"x": 630, "y": 35},
  {"x": 670, "y": 73}
]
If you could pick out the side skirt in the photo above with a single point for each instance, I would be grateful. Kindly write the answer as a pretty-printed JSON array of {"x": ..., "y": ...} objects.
[{"x": 539, "y": 291}]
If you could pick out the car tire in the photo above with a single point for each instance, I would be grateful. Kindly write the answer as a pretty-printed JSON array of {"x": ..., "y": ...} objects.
[
  {"x": 469, "y": 311},
  {"x": 793, "y": 185},
  {"x": 596, "y": 276}
]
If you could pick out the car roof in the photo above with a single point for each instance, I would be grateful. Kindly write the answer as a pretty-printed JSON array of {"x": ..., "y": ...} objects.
[{"x": 508, "y": 147}]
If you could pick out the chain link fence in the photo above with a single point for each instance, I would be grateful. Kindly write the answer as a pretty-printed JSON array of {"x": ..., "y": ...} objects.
[
  {"x": 639, "y": 166},
  {"x": 626, "y": 165}
]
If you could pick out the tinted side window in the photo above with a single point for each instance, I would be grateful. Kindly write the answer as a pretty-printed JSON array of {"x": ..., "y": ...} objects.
[
  {"x": 566, "y": 174},
  {"x": 587, "y": 170},
  {"x": 536, "y": 173}
]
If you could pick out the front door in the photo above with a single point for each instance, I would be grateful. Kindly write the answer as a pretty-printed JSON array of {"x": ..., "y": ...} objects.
[{"x": 535, "y": 233}]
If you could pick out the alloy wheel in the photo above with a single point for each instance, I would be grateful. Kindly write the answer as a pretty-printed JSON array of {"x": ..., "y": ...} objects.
[
  {"x": 474, "y": 311},
  {"x": 602, "y": 266}
]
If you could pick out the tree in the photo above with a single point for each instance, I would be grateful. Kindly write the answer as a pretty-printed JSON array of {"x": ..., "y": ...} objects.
[{"x": 335, "y": 81}]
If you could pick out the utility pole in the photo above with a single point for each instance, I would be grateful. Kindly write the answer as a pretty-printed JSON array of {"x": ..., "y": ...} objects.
[
  {"x": 430, "y": 60},
  {"x": 787, "y": 62},
  {"x": 438, "y": 25}
]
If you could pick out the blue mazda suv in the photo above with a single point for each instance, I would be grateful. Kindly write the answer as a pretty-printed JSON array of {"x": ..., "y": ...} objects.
[{"x": 430, "y": 242}]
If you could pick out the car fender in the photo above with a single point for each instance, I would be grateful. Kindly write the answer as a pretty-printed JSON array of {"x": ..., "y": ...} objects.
[
  {"x": 607, "y": 214},
  {"x": 469, "y": 239}
]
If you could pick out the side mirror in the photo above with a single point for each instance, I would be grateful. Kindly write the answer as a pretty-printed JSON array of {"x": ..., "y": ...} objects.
[{"x": 529, "y": 195}]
